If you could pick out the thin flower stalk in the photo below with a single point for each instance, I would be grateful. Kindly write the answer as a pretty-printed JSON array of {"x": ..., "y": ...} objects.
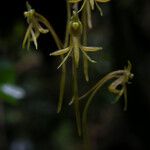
[
  {"x": 63, "y": 76},
  {"x": 121, "y": 78},
  {"x": 75, "y": 98},
  {"x": 84, "y": 40},
  {"x": 36, "y": 21}
]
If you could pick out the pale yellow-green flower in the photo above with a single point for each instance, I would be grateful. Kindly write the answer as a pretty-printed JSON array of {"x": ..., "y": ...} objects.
[
  {"x": 119, "y": 78},
  {"x": 34, "y": 29},
  {"x": 75, "y": 47},
  {"x": 74, "y": 51},
  {"x": 119, "y": 86}
]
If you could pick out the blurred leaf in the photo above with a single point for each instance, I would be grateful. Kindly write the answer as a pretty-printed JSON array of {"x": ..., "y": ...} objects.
[{"x": 11, "y": 93}]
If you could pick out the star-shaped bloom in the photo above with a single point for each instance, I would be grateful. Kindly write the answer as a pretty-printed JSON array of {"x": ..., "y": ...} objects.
[
  {"x": 75, "y": 47},
  {"x": 34, "y": 29},
  {"x": 74, "y": 51}
]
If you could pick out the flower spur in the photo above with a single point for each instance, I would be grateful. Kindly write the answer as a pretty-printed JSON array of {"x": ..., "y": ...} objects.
[{"x": 75, "y": 30}]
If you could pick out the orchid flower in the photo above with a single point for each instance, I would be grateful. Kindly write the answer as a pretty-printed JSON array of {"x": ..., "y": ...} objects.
[
  {"x": 35, "y": 28},
  {"x": 119, "y": 86},
  {"x": 75, "y": 47}
]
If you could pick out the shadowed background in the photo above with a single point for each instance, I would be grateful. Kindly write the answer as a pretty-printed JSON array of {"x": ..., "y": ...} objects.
[{"x": 29, "y": 80}]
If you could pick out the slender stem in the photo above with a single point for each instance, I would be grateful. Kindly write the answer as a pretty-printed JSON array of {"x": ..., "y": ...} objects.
[
  {"x": 84, "y": 117},
  {"x": 89, "y": 15},
  {"x": 63, "y": 75},
  {"x": 93, "y": 91},
  {"x": 59, "y": 45},
  {"x": 76, "y": 97},
  {"x": 52, "y": 31},
  {"x": 112, "y": 75},
  {"x": 85, "y": 61},
  {"x": 62, "y": 86},
  {"x": 84, "y": 23},
  {"x": 82, "y": 6},
  {"x": 67, "y": 25},
  {"x": 85, "y": 69}
]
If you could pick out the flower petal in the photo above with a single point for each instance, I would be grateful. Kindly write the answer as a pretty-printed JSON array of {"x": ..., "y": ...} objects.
[
  {"x": 65, "y": 59},
  {"x": 91, "y": 49},
  {"x": 92, "y": 4},
  {"x": 113, "y": 86},
  {"x": 85, "y": 54},
  {"x": 34, "y": 39},
  {"x": 60, "y": 52},
  {"x": 27, "y": 35}
]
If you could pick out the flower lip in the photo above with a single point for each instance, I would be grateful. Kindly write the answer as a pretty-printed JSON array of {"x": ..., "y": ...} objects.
[{"x": 75, "y": 25}]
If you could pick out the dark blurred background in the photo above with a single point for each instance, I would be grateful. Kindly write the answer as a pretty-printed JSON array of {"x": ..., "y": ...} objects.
[{"x": 29, "y": 80}]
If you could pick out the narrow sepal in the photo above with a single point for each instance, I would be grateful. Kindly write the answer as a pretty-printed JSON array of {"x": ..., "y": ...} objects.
[
  {"x": 91, "y": 60},
  {"x": 60, "y": 52},
  {"x": 64, "y": 60},
  {"x": 91, "y": 49}
]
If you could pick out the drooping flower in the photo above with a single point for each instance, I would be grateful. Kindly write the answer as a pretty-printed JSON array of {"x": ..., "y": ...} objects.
[
  {"x": 119, "y": 86},
  {"x": 34, "y": 29}
]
